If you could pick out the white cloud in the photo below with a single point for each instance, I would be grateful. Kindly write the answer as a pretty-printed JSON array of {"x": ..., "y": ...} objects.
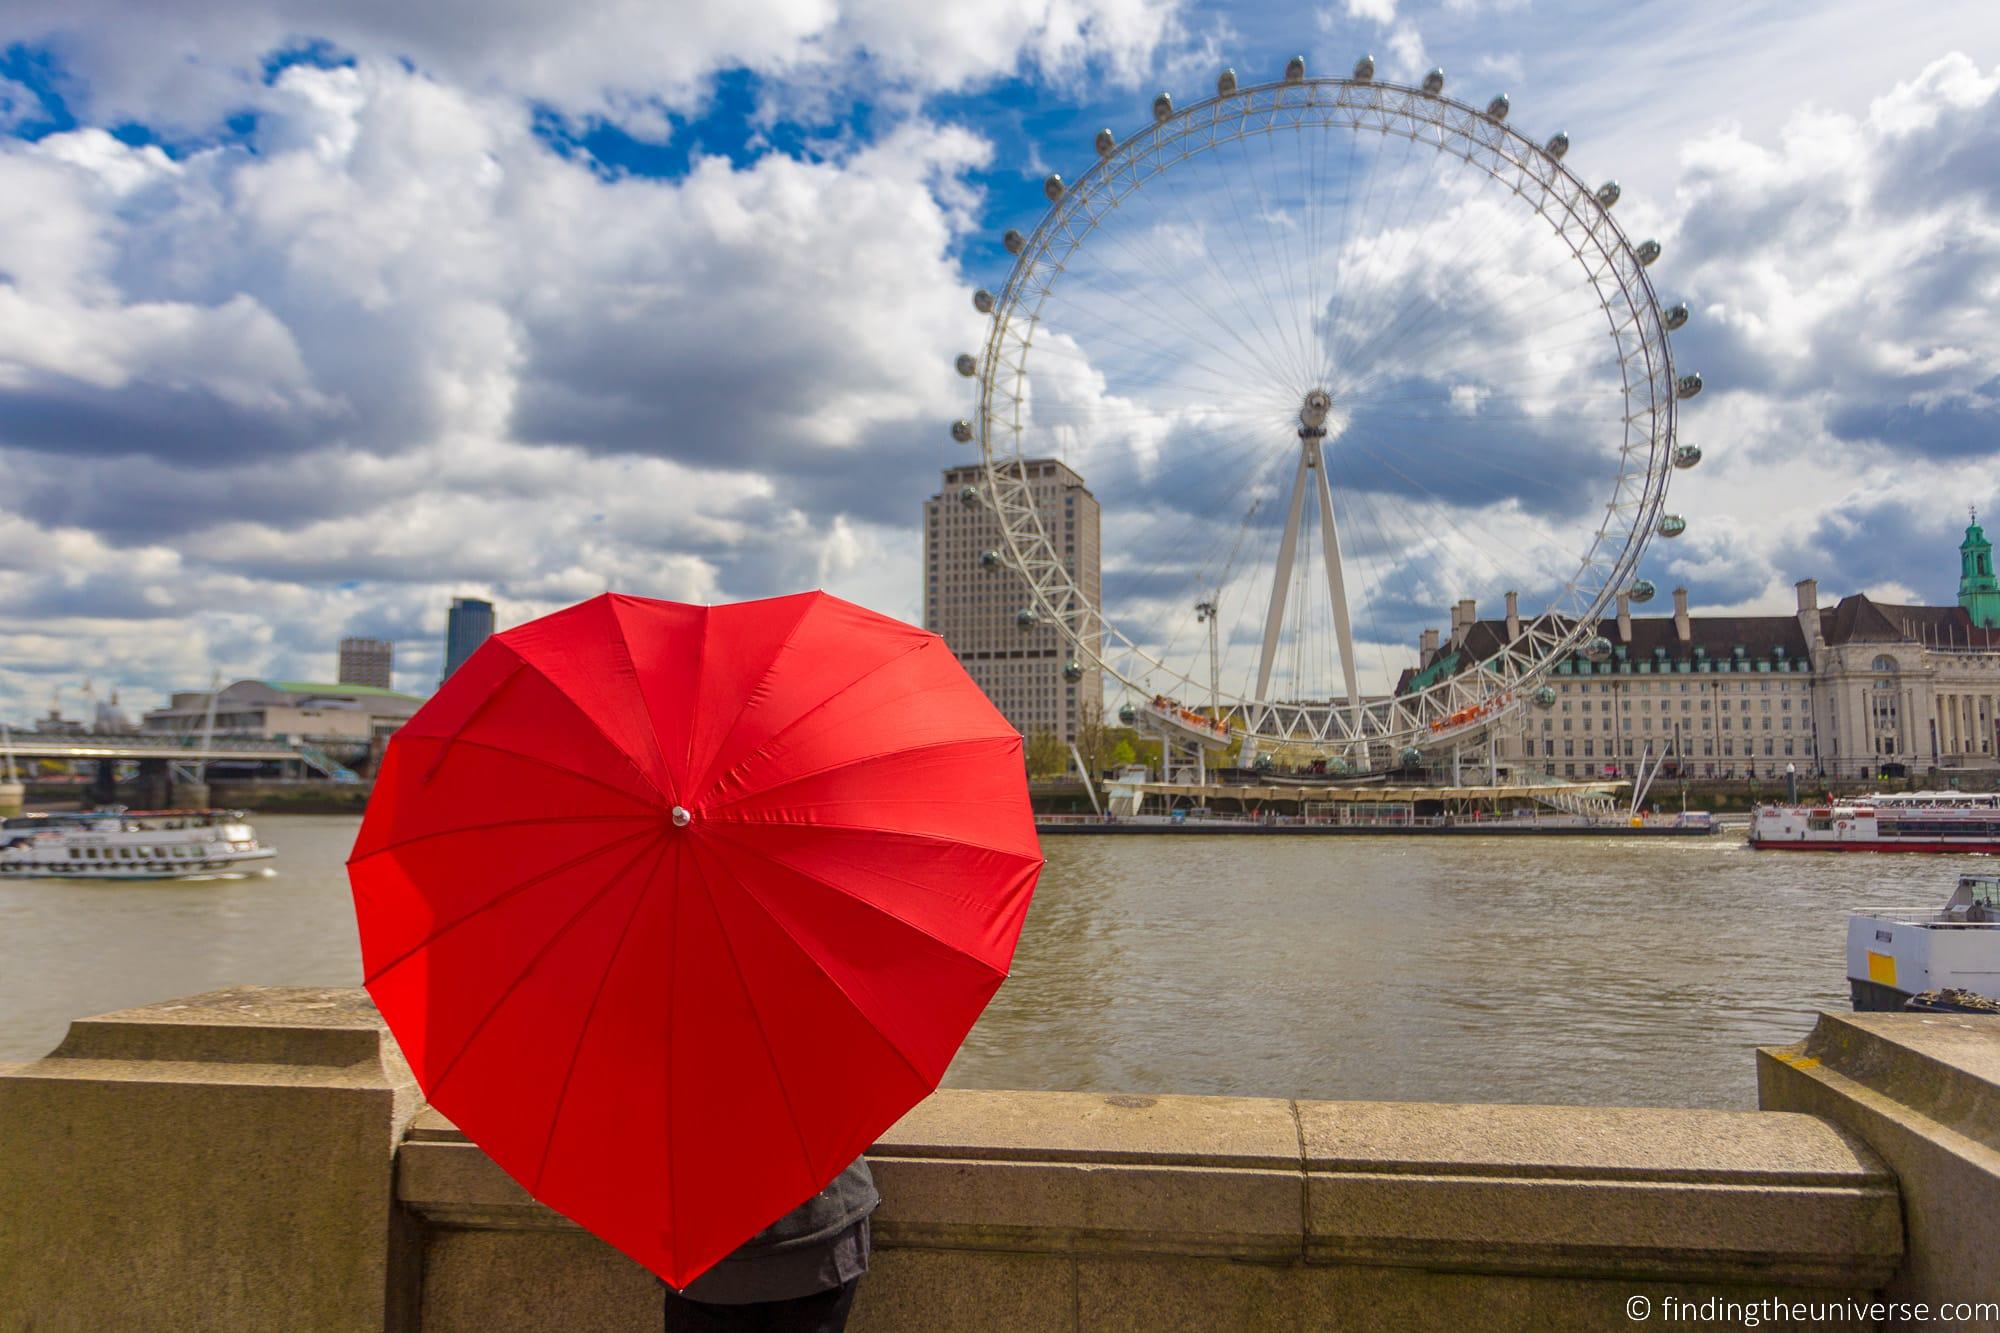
[
  {"x": 405, "y": 350},
  {"x": 629, "y": 61}
]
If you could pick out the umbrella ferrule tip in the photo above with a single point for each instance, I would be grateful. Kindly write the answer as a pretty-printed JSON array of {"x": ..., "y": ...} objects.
[{"x": 681, "y": 816}]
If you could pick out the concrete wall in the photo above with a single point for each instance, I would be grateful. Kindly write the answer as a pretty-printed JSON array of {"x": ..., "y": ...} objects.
[
  {"x": 258, "y": 1159},
  {"x": 1923, "y": 1091}
]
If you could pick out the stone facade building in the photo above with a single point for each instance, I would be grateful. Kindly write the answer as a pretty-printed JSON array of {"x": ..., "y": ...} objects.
[
  {"x": 1856, "y": 690},
  {"x": 972, "y": 599}
]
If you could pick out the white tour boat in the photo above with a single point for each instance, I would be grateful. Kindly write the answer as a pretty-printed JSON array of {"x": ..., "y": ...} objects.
[
  {"x": 1918, "y": 821},
  {"x": 1889, "y": 960},
  {"x": 128, "y": 844}
]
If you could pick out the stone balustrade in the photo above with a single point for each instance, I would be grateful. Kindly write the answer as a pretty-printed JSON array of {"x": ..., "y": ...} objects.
[{"x": 259, "y": 1159}]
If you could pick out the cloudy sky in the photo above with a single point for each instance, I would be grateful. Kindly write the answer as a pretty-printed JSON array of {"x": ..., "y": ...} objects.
[{"x": 309, "y": 322}]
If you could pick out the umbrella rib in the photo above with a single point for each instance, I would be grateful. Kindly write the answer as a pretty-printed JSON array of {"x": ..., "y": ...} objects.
[
  {"x": 833, "y": 981},
  {"x": 855, "y": 761},
  {"x": 540, "y": 762},
  {"x": 700, "y": 679},
  {"x": 778, "y": 735},
  {"x": 491, "y": 695},
  {"x": 667, "y": 1061},
  {"x": 501, "y": 897},
  {"x": 645, "y": 702},
  {"x": 751, "y": 693},
  {"x": 548, "y": 945},
  {"x": 590, "y": 1014},
  {"x": 598, "y": 727},
  {"x": 757, "y": 1015},
  {"x": 505, "y": 823},
  {"x": 869, "y": 903}
]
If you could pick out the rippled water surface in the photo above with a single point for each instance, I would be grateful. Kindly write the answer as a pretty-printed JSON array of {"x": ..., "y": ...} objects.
[{"x": 1446, "y": 969}]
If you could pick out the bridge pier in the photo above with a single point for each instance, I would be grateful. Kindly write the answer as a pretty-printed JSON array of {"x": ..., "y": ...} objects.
[
  {"x": 150, "y": 792},
  {"x": 12, "y": 794},
  {"x": 104, "y": 783},
  {"x": 190, "y": 795}
]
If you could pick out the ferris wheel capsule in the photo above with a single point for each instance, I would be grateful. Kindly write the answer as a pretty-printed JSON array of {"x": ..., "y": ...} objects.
[
  {"x": 982, "y": 301},
  {"x": 1607, "y": 193},
  {"x": 1364, "y": 70},
  {"x": 1225, "y": 83},
  {"x": 1026, "y": 618},
  {"x": 1677, "y": 315},
  {"x": 968, "y": 364},
  {"x": 1686, "y": 455},
  {"x": 1072, "y": 671},
  {"x": 1295, "y": 70},
  {"x": 1127, "y": 714},
  {"x": 1545, "y": 697},
  {"x": 1672, "y": 525},
  {"x": 1053, "y": 187},
  {"x": 1688, "y": 385},
  {"x": 1497, "y": 108},
  {"x": 1411, "y": 757},
  {"x": 1434, "y": 82},
  {"x": 1641, "y": 591},
  {"x": 968, "y": 496},
  {"x": 1557, "y": 145},
  {"x": 1106, "y": 141},
  {"x": 961, "y": 430},
  {"x": 1014, "y": 241},
  {"x": 990, "y": 560},
  {"x": 1647, "y": 252},
  {"x": 1163, "y": 107},
  {"x": 1598, "y": 649}
]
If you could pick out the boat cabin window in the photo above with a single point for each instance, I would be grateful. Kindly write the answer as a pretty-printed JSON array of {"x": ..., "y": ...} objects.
[
  {"x": 75, "y": 853},
  {"x": 1820, "y": 822}
]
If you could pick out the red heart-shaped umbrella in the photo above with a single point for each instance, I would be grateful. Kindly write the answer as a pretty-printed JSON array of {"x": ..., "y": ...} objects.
[{"x": 675, "y": 909}]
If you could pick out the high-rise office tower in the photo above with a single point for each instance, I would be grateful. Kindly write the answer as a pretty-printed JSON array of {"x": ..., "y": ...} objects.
[
  {"x": 471, "y": 624},
  {"x": 973, "y": 601}
]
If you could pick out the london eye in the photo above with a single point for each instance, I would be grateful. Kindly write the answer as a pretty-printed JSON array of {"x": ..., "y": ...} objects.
[{"x": 1341, "y": 358}]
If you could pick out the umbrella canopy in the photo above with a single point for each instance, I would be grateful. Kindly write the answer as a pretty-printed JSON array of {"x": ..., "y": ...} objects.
[{"x": 675, "y": 909}]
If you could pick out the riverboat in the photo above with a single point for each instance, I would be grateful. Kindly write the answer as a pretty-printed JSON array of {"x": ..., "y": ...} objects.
[
  {"x": 1889, "y": 959},
  {"x": 1922, "y": 821},
  {"x": 129, "y": 844}
]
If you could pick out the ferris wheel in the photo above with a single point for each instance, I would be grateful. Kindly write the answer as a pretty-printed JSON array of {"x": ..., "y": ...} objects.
[{"x": 1338, "y": 357}]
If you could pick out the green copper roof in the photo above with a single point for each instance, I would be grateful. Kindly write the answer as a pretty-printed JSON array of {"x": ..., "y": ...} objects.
[{"x": 319, "y": 687}]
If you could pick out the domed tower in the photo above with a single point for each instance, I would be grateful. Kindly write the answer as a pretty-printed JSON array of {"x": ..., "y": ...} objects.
[{"x": 1978, "y": 590}]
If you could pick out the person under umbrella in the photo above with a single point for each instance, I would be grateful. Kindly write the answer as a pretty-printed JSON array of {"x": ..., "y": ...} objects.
[{"x": 675, "y": 909}]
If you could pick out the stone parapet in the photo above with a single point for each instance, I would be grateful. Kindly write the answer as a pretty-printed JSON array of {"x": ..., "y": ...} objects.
[
  {"x": 1923, "y": 1091},
  {"x": 219, "y": 1162},
  {"x": 257, "y": 1159},
  {"x": 1009, "y": 1210}
]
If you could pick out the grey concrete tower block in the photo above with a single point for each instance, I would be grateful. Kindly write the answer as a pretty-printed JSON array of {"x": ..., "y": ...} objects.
[{"x": 224, "y": 1161}]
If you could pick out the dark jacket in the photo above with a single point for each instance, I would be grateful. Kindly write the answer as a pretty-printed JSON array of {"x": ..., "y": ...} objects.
[{"x": 822, "y": 1243}]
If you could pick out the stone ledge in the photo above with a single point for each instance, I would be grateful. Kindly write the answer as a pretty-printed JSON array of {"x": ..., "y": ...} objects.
[
  {"x": 1945, "y": 1067},
  {"x": 1667, "y": 1194},
  {"x": 1683, "y": 1196},
  {"x": 1923, "y": 1091},
  {"x": 254, "y": 1025}
]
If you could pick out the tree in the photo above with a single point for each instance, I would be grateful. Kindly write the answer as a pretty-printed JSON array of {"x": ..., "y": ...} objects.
[
  {"x": 1122, "y": 753},
  {"x": 1046, "y": 755}
]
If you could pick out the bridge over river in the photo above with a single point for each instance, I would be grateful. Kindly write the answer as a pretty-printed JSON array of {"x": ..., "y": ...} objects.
[{"x": 170, "y": 765}]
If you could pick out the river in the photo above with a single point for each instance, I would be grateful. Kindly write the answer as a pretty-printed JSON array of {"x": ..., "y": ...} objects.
[{"x": 1562, "y": 970}]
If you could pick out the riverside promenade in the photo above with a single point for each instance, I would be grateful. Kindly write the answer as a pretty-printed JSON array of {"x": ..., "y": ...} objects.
[{"x": 259, "y": 1158}]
